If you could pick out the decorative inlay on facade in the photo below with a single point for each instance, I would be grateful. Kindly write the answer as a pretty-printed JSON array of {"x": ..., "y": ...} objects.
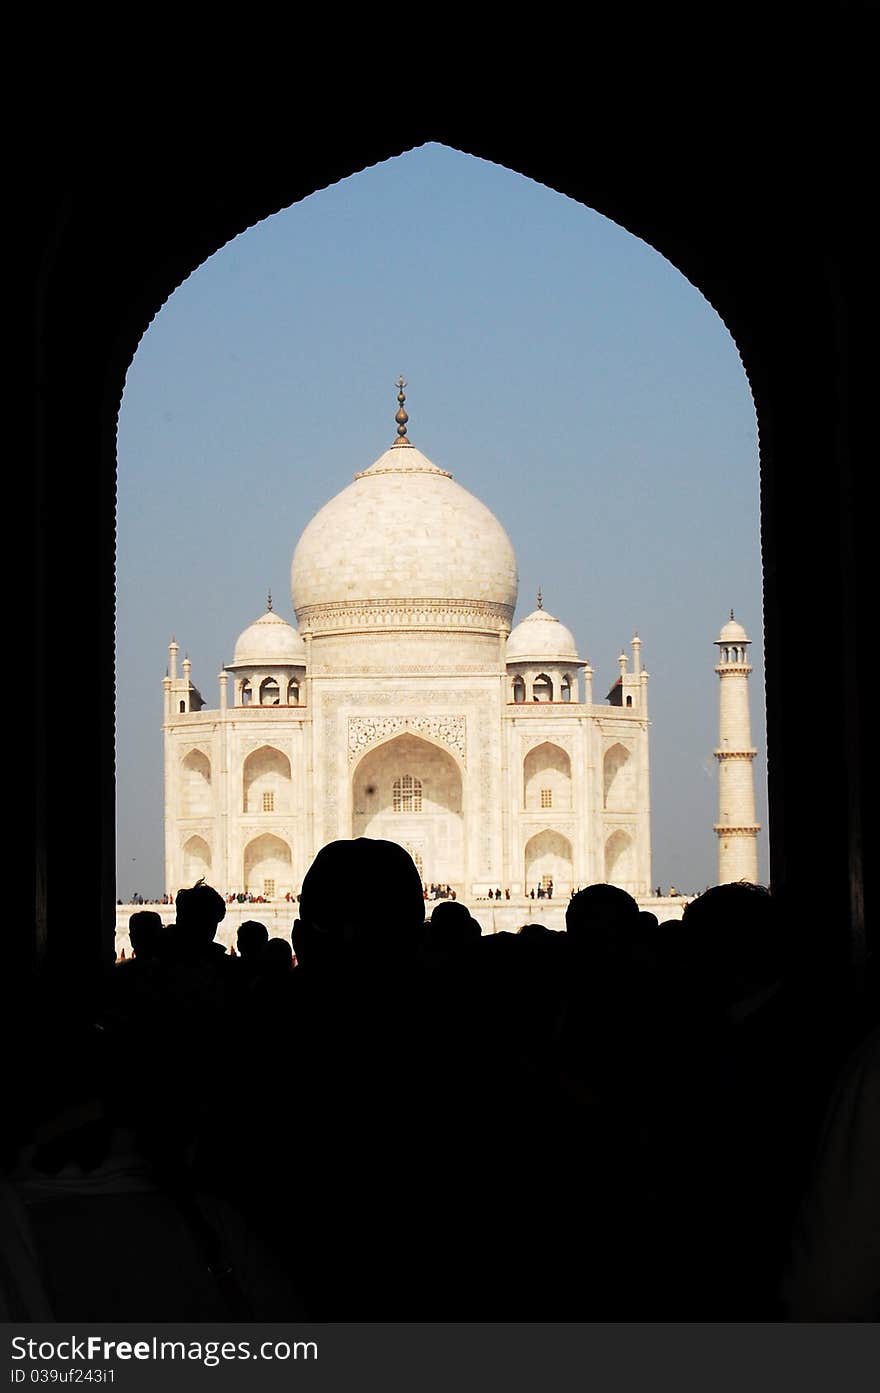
[
  {"x": 532, "y": 739},
  {"x": 342, "y": 616},
  {"x": 534, "y": 822},
  {"x": 402, "y": 669},
  {"x": 366, "y": 731},
  {"x": 737, "y": 831},
  {"x": 610, "y": 741},
  {"x": 195, "y": 749},
  {"x": 735, "y": 754},
  {"x": 247, "y": 747}
]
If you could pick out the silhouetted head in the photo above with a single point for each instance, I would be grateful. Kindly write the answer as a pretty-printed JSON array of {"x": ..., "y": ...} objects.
[
  {"x": 199, "y": 911},
  {"x": 736, "y": 939},
  {"x": 537, "y": 933},
  {"x": 360, "y": 900},
  {"x": 144, "y": 929},
  {"x": 276, "y": 957},
  {"x": 599, "y": 920},
  {"x": 451, "y": 926},
  {"x": 599, "y": 905},
  {"x": 251, "y": 939}
]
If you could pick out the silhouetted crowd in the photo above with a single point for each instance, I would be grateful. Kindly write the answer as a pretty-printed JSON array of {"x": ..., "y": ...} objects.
[{"x": 391, "y": 1119}]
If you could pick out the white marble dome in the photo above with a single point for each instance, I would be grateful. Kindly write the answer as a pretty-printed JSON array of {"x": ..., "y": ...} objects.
[
  {"x": 540, "y": 638},
  {"x": 268, "y": 641},
  {"x": 404, "y": 544}
]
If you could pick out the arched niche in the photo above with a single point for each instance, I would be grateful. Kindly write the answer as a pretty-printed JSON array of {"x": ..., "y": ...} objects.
[
  {"x": 270, "y": 692},
  {"x": 618, "y": 779},
  {"x": 266, "y": 783},
  {"x": 546, "y": 778},
  {"x": 196, "y": 860},
  {"x": 267, "y": 867},
  {"x": 542, "y": 688},
  {"x": 547, "y": 857},
  {"x": 195, "y": 779},
  {"x": 620, "y": 860},
  {"x": 293, "y": 692},
  {"x": 519, "y": 690},
  {"x": 410, "y": 791}
]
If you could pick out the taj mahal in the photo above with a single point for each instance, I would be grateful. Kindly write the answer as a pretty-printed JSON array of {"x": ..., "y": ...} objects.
[{"x": 405, "y": 706}]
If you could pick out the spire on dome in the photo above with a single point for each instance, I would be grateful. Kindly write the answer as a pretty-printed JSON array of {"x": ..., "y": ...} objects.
[
  {"x": 540, "y": 598},
  {"x": 401, "y": 416},
  {"x": 731, "y": 614},
  {"x": 269, "y": 601}
]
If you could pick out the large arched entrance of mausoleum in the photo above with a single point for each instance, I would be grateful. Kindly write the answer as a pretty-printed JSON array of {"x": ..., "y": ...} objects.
[{"x": 408, "y": 790}]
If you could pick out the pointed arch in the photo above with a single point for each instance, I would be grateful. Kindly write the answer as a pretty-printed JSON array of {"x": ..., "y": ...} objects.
[
  {"x": 547, "y": 857},
  {"x": 196, "y": 860},
  {"x": 195, "y": 779},
  {"x": 618, "y": 779},
  {"x": 542, "y": 687},
  {"x": 546, "y": 778},
  {"x": 410, "y": 790},
  {"x": 266, "y": 781},
  {"x": 267, "y": 866},
  {"x": 619, "y": 859}
]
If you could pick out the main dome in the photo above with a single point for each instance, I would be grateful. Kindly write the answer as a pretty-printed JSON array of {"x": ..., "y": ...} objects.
[{"x": 404, "y": 546}]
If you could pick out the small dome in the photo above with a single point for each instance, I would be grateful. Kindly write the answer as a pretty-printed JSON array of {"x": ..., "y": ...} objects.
[
  {"x": 733, "y": 632},
  {"x": 538, "y": 638},
  {"x": 270, "y": 640}
]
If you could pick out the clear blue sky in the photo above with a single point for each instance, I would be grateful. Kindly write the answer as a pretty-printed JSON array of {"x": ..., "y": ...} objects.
[{"x": 562, "y": 370}]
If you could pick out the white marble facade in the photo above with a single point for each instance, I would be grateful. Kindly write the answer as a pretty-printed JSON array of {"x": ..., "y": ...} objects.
[{"x": 402, "y": 706}]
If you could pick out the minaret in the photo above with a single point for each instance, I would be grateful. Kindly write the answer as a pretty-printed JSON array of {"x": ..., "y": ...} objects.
[{"x": 736, "y": 826}]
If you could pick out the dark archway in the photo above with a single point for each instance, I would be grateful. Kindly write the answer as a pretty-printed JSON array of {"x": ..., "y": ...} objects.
[{"x": 789, "y": 289}]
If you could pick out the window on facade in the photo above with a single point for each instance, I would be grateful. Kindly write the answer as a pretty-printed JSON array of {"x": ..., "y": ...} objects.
[
  {"x": 293, "y": 694},
  {"x": 519, "y": 690},
  {"x": 406, "y": 794},
  {"x": 268, "y": 802},
  {"x": 546, "y": 798},
  {"x": 268, "y": 889}
]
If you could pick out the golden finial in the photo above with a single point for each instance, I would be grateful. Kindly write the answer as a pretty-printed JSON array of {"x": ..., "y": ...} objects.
[
  {"x": 731, "y": 614},
  {"x": 269, "y": 600},
  {"x": 401, "y": 417},
  {"x": 540, "y": 598}
]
